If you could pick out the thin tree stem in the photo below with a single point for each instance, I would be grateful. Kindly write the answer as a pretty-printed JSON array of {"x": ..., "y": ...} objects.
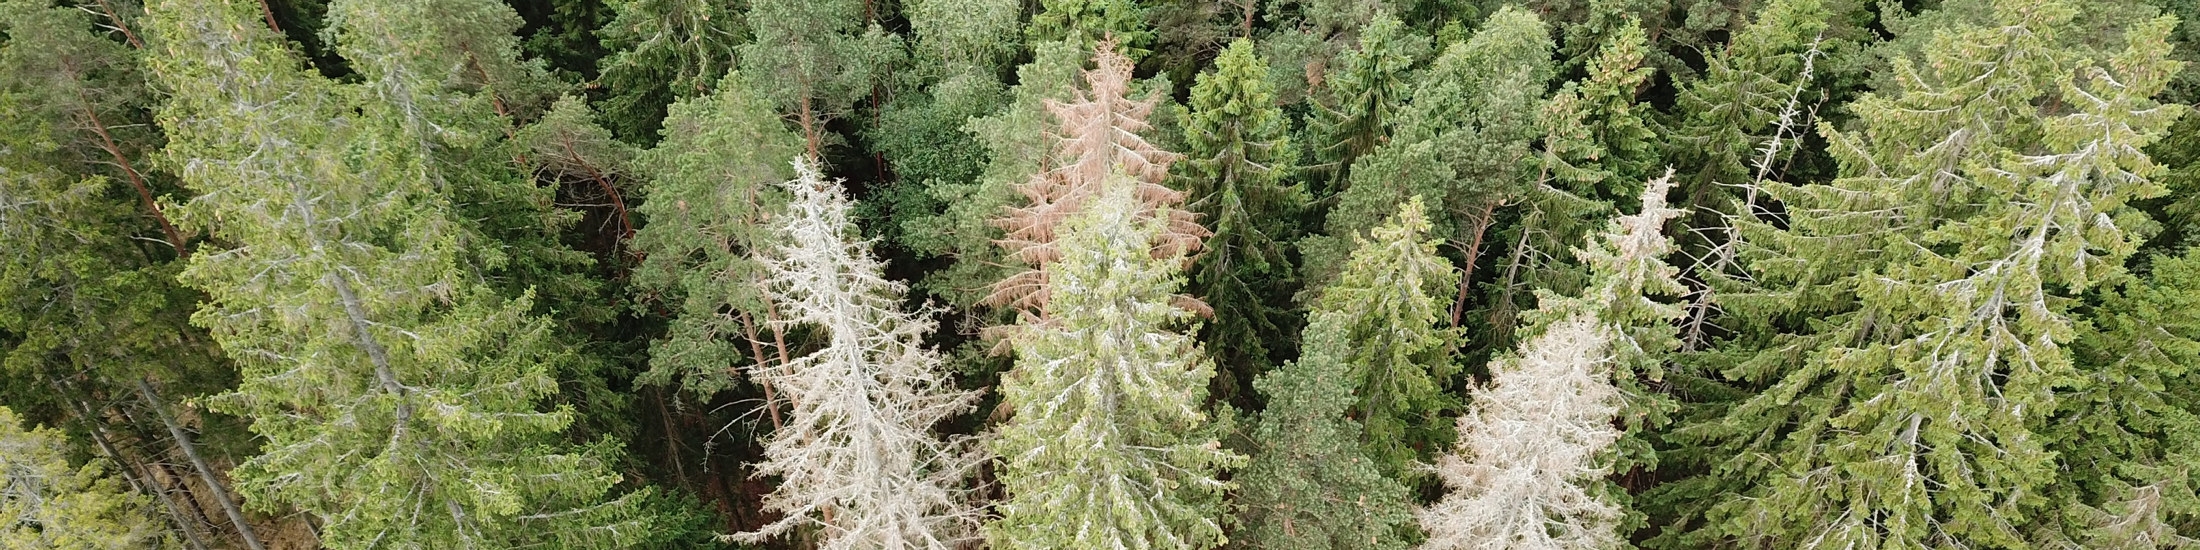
[
  {"x": 129, "y": 468},
  {"x": 130, "y": 172},
  {"x": 206, "y": 473}
]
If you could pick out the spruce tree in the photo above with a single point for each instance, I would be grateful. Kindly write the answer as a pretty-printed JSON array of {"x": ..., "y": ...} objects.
[
  {"x": 856, "y": 459},
  {"x": 1940, "y": 274},
  {"x": 1538, "y": 443},
  {"x": 2129, "y": 432},
  {"x": 663, "y": 51},
  {"x": 961, "y": 225},
  {"x": 1738, "y": 123},
  {"x": 1393, "y": 294},
  {"x": 1108, "y": 446},
  {"x": 50, "y": 504},
  {"x": 1097, "y": 137},
  {"x": 1310, "y": 483},
  {"x": 1237, "y": 159},
  {"x": 396, "y": 397},
  {"x": 711, "y": 184},
  {"x": 1362, "y": 94},
  {"x": 1087, "y": 22},
  {"x": 1595, "y": 149}
]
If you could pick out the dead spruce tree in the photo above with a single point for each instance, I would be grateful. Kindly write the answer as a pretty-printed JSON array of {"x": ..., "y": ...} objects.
[
  {"x": 856, "y": 458},
  {"x": 1534, "y": 449},
  {"x": 1098, "y": 137}
]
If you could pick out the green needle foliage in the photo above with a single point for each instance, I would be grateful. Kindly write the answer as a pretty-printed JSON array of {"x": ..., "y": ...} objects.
[
  {"x": 663, "y": 50},
  {"x": 396, "y": 273},
  {"x": 1364, "y": 91},
  {"x": 814, "y": 58},
  {"x": 711, "y": 183},
  {"x": 397, "y": 399},
  {"x": 1393, "y": 295},
  {"x": 2130, "y": 429},
  {"x": 50, "y": 504},
  {"x": 1309, "y": 485},
  {"x": 1596, "y": 148},
  {"x": 1108, "y": 446},
  {"x": 1236, "y": 160},
  {"x": 1942, "y": 271}
]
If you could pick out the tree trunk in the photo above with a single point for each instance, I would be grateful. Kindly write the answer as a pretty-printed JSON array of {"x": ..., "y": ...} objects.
[
  {"x": 1474, "y": 255},
  {"x": 128, "y": 469},
  {"x": 108, "y": 8},
  {"x": 206, "y": 473},
  {"x": 137, "y": 181}
]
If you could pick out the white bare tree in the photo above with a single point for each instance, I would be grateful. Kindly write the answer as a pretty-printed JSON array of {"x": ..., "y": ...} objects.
[
  {"x": 857, "y": 459},
  {"x": 1535, "y": 448}
]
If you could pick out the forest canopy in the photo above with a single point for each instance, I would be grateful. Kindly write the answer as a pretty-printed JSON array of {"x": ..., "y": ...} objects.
[{"x": 1112, "y": 274}]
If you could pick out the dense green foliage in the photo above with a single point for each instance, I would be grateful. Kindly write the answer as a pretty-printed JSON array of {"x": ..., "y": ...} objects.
[{"x": 1100, "y": 273}]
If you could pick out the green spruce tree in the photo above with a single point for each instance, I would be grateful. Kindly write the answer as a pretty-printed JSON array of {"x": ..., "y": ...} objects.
[
  {"x": 662, "y": 51},
  {"x": 1233, "y": 176},
  {"x": 1939, "y": 275},
  {"x": 396, "y": 397},
  {"x": 1398, "y": 349},
  {"x": 1596, "y": 148},
  {"x": 1361, "y": 95},
  {"x": 1107, "y": 445},
  {"x": 2129, "y": 432},
  {"x": 1310, "y": 483}
]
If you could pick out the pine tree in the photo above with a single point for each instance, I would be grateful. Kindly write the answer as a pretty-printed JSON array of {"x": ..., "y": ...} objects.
[
  {"x": 90, "y": 308},
  {"x": 567, "y": 145},
  {"x": 397, "y": 399},
  {"x": 1398, "y": 349},
  {"x": 966, "y": 35},
  {"x": 1108, "y": 446},
  {"x": 814, "y": 58},
  {"x": 1463, "y": 143},
  {"x": 711, "y": 184},
  {"x": 1088, "y": 22},
  {"x": 1238, "y": 157},
  {"x": 91, "y": 89},
  {"x": 856, "y": 458},
  {"x": 1939, "y": 273},
  {"x": 52, "y": 505},
  {"x": 1538, "y": 442}
]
